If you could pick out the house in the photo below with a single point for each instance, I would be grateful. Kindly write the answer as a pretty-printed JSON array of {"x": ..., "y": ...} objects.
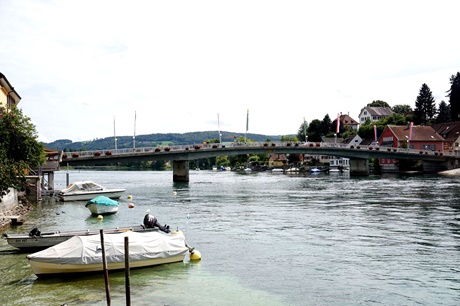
[
  {"x": 352, "y": 140},
  {"x": 46, "y": 171},
  {"x": 450, "y": 131},
  {"x": 8, "y": 96},
  {"x": 346, "y": 120},
  {"x": 411, "y": 137},
  {"x": 374, "y": 113},
  {"x": 277, "y": 160}
]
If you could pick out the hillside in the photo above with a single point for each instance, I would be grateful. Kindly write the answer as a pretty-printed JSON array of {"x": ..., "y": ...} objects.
[{"x": 153, "y": 140}]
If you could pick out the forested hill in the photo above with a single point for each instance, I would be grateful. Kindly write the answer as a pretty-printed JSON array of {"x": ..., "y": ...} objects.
[{"x": 153, "y": 140}]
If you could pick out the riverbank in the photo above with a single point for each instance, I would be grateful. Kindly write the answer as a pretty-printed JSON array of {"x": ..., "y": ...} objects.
[
  {"x": 21, "y": 209},
  {"x": 451, "y": 172}
]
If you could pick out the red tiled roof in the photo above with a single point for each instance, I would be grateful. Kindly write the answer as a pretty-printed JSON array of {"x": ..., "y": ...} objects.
[
  {"x": 419, "y": 133},
  {"x": 449, "y": 130}
]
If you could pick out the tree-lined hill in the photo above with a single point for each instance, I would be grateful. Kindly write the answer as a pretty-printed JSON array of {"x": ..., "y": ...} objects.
[{"x": 153, "y": 140}]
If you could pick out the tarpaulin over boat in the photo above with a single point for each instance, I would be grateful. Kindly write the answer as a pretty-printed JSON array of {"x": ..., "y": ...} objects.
[
  {"x": 102, "y": 200},
  {"x": 87, "y": 249}
]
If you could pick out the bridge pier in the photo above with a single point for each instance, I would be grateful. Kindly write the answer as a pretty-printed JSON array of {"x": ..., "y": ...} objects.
[
  {"x": 180, "y": 171},
  {"x": 359, "y": 167},
  {"x": 439, "y": 166}
]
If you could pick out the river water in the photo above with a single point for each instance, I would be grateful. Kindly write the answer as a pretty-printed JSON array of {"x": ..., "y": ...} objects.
[{"x": 266, "y": 239}]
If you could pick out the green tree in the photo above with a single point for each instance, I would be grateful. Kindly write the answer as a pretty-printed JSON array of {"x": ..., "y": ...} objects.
[
  {"x": 326, "y": 126},
  {"x": 314, "y": 131},
  {"x": 222, "y": 161},
  {"x": 19, "y": 149},
  {"x": 289, "y": 138},
  {"x": 301, "y": 133},
  {"x": 378, "y": 103},
  {"x": 402, "y": 109},
  {"x": 454, "y": 97},
  {"x": 443, "y": 113},
  {"x": 425, "y": 106}
]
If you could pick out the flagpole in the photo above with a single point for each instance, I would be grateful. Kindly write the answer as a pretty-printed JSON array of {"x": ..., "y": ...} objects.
[
  {"x": 337, "y": 128},
  {"x": 134, "y": 137},
  {"x": 375, "y": 134},
  {"x": 218, "y": 126},
  {"x": 247, "y": 126},
  {"x": 114, "y": 134},
  {"x": 305, "y": 129}
]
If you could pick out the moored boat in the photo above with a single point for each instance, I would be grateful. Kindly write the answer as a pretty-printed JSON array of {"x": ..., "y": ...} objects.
[
  {"x": 37, "y": 240},
  {"x": 87, "y": 190},
  {"x": 82, "y": 254},
  {"x": 102, "y": 205}
]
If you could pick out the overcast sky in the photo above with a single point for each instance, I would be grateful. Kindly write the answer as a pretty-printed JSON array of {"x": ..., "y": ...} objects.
[{"x": 79, "y": 66}]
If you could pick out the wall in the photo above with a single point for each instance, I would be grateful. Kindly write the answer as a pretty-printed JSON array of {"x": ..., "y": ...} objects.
[{"x": 9, "y": 201}]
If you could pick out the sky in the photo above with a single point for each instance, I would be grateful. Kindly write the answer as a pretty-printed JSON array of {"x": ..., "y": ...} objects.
[{"x": 92, "y": 69}]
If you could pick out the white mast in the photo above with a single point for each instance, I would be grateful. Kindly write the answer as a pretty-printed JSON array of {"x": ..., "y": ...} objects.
[
  {"x": 247, "y": 126},
  {"x": 134, "y": 137},
  {"x": 114, "y": 134},
  {"x": 218, "y": 126}
]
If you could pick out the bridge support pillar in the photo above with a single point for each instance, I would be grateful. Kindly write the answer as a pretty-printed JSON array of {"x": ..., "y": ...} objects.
[
  {"x": 359, "y": 167},
  {"x": 180, "y": 171},
  {"x": 438, "y": 166}
]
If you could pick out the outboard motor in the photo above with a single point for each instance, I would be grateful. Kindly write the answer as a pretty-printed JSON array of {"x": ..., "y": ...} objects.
[{"x": 34, "y": 232}]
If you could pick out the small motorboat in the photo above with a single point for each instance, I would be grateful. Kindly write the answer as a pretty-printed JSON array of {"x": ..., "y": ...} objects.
[
  {"x": 102, "y": 205},
  {"x": 37, "y": 240},
  {"x": 87, "y": 190},
  {"x": 82, "y": 254},
  {"x": 316, "y": 170}
]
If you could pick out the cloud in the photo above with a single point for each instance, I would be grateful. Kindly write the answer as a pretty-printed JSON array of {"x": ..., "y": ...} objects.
[{"x": 79, "y": 65}]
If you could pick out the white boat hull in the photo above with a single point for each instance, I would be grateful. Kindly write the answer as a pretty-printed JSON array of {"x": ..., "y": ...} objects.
[
  {"x": 86, "y": 196},
  {"x": 44, "y": 268},
  {"x": 97, "y": 209}
]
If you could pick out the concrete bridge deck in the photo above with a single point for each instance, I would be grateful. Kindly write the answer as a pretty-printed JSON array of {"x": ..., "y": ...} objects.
[{"x": 359, "y": 154}]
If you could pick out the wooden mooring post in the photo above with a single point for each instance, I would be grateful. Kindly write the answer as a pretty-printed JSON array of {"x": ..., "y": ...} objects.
[
  {"x": 106, "y": 272},
  {"x": 127, "y": 274}
]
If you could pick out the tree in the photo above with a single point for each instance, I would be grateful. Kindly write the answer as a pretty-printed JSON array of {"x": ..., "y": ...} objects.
[
  {"x": 454, "y": 97},
  {"x": 443, "y": 113},
  {"x": 402, "y": 109},
  {"x": 326, "y": 126},
  {"x": 19, "y": 149},
  {"x": 313, "y": 131},
  {"x": 301, "y": 133},
  {"x": 425, "y": 106},
  {"x": 378, "y": 103}
]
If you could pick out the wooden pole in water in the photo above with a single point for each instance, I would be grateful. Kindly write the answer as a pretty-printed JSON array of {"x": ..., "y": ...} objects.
[
  {"x": 106, "y": 272},
  {"x": 127, "y": 277}
]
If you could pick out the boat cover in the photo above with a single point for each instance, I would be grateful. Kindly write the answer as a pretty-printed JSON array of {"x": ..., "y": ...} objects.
[
  {"x": 102, "y": 200},
  {"x": 87, "y": 249},
  {"x": 82, "y": 185}
]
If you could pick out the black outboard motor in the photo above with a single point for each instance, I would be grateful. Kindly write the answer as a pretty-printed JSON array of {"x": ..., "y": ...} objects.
[
  {"x": 34, "y": 232},
  {"x": 150, "y": 222}
]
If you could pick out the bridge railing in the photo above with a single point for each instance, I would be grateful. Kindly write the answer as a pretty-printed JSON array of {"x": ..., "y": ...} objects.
[{"x": 213, "y": 146}]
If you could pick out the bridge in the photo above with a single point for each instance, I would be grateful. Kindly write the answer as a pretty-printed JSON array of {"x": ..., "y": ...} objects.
[{"x": 180, "y": 155}]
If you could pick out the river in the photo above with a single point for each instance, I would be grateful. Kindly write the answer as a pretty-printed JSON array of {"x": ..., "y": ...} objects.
[{"x": 265, "y": 239}]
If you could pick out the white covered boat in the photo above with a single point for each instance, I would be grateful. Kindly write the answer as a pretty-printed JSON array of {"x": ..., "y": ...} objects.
[
  {"x": 82, "y": 254},
  {"x": 102, "y": 205},
  {"x": 37, "y": 240},
  {"x": 87, "y": 190}
]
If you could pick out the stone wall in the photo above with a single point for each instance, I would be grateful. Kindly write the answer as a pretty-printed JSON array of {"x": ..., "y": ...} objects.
[
  {"x": 9, "y": 201},
  {"x": 13, "y": 204}
]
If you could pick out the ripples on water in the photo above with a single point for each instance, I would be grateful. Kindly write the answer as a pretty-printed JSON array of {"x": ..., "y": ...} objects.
[{"x": 270, "y": 239}]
